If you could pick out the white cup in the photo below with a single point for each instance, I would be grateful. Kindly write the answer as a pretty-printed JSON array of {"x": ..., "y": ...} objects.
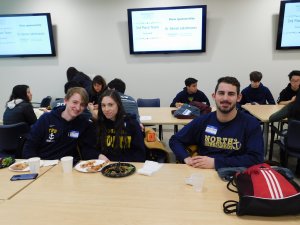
[
  {"x": 197, "y": 181},
  {"x": 67, "y": 164},
  {"x": 34, "y": 164}
]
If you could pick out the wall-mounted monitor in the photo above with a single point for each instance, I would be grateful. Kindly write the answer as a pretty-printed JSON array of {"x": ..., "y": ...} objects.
[
  {"x": 179, "y": 29},
  {"x": 26, "y": 35},
  {"x": 288, "y": 34}
]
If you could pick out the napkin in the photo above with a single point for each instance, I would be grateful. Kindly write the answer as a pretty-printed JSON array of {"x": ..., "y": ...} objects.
[
  {"x": 50, "y": 162},
  {"x": 149, "y": 168}
]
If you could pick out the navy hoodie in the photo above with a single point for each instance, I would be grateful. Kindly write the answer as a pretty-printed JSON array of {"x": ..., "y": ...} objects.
[
  {"x": 261, "y": 95},
  {"x": 133, "y": 151},
  {"x": 52, "y": 137},
  {"x": 185, "y": 97},
  {"x": 236, "y": 143}
]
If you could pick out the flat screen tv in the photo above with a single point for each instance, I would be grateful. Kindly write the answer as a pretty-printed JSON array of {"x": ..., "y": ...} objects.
[
  {"x": 26, "y": 35},
  {"x": 288, "y": 35},
  {"x": 179, "y": 29}
]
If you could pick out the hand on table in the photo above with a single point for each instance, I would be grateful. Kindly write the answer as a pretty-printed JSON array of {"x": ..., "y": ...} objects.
[{"x": 203, "y": 162}]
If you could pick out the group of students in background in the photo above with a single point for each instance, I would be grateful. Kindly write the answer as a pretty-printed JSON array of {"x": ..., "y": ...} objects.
[{"x": 97, "y": 120}]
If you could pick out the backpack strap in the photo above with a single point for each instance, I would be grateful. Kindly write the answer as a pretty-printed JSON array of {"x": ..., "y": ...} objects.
[
  {"x": 232, "y": 183},
  {"x": 230, "y": 206}
]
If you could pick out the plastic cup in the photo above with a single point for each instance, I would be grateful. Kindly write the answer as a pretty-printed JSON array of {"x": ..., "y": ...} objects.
[
  {"x": 34, "y": 164},
  {"x": 67, "y": 164},
  {"x": 197, "y": 180}
]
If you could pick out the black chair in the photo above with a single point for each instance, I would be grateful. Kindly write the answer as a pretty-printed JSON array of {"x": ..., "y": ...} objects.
[
  {"x": 43, "y": 104},
  {"x": 290, "y": 145},
  {"x": 151, "y": 102},
  {"x": 12, "y": 138}
]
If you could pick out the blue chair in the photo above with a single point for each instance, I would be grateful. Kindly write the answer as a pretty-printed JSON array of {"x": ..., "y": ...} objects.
[
  {"x": 290, "y": 146},
  {"x": 12, "y": 138},
  {"x": 151, "y": 102}
]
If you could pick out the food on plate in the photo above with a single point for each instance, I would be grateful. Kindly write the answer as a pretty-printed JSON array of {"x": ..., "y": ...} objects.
[
  {"x": 95, "y": 168},
  {"x": 88, "y": 164},
  {"x": 19, "y": 166},
  {"x": 118, "y": 170},
  {"x": 91, "y": 166},
  {"x": 7, "y": 161}
]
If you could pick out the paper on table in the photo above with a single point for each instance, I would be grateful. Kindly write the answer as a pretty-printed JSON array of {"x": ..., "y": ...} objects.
[
  {"x": 144, "y": 118},
  {"x": 149, "y": 168},
  {"x": 50, "y": 162}
]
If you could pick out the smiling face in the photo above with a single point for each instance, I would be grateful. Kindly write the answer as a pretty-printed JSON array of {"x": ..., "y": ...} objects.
[
  {"x": 226, "y": 98},
  {"x": 74, "y": 106},
  {"x": 109, "y": 108}
]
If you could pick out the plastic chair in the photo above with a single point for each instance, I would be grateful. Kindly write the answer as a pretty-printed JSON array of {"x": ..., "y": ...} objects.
[
  {"x": 290, "y": 146},
  {"x": 12, "y": 138},
  {"x": 151, "y": 102},
  {"x": 148, "y": 102}
]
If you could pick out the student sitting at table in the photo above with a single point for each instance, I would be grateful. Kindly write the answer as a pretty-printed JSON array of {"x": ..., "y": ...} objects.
[
  {"x": 256, "y": 93},
  {"x": 288, "y": 94},
  {"x": 98, "y": 87},
  {"x": 19, "y": 107},
  {"x": 189, "y": 94},
  {"x": 119, "y": 135},
  {"x": 225, "y": 138},
  {"x": 64, "y": 131}
]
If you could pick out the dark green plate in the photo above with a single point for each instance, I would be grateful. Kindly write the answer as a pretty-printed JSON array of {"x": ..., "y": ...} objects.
[
  {"x": 6, "y": 162},
  {"x": 116, "y": 170}
]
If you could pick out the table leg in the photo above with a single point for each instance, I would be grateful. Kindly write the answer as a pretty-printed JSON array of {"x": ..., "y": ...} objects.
[{"x": 266, "y": 136}]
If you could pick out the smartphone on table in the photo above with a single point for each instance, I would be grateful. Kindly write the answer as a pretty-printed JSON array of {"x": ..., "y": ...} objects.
[{"x": 28, "y": 176}]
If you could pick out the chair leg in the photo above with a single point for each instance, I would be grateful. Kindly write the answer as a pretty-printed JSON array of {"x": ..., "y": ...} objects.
[
  {"x": 271, "y": 144},
  {"x": 175, "y": 129},
  {"x": 160, "y": 132}
]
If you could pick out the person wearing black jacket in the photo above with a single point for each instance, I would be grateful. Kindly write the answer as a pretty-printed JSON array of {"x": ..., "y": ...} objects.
[
  {"x": 189, "y": 94},
  {"x": 119, "y": 135},
  {"x": 288, "y": 94},
  {"x": 98, "y": 87},
  {"x": 18, "y": 108}
]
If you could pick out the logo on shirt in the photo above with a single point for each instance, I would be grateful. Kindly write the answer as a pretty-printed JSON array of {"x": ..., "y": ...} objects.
[
  {"x": 124, "y": 141},
  {"x": 190, "y": 99},
  {"x": 52, "y": 132},
  {"x": 222, "y": 142}
]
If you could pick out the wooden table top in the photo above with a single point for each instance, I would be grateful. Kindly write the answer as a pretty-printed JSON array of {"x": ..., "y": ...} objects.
[
  {"x": 160, "y": 115},
  {"x": 10, "y": 188},
  {"x": 262, "y": 112},
  {"x": 91, "y": 198}
]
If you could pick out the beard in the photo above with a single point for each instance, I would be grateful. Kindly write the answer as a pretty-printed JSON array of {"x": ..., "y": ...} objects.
[{"x": 225, "y": 110}]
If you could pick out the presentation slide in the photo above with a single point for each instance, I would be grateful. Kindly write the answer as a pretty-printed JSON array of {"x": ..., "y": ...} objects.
[
  {"x": 167, "y": 30},
  {"x": 23, "y": 35},
  {"x": 291, "y": 25}
]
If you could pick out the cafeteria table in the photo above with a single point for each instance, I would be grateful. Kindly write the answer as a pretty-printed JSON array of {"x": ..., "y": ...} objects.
[{"x": 91, "y": 198}]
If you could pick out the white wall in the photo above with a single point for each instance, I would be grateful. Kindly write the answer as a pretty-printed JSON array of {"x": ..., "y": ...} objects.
[{"x": 92, "y": 36}]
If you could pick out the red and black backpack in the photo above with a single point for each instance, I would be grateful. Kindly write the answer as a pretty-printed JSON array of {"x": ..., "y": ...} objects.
[{"x": 263, "y": 191}]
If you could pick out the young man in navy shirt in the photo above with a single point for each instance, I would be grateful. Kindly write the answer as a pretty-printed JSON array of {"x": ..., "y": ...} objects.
[
  {"x": 226, "y": 137},
  {"x": 189, "y": 93},
  {"x": 288, "y": 94},
  {"x": 256, "y": 93}
]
